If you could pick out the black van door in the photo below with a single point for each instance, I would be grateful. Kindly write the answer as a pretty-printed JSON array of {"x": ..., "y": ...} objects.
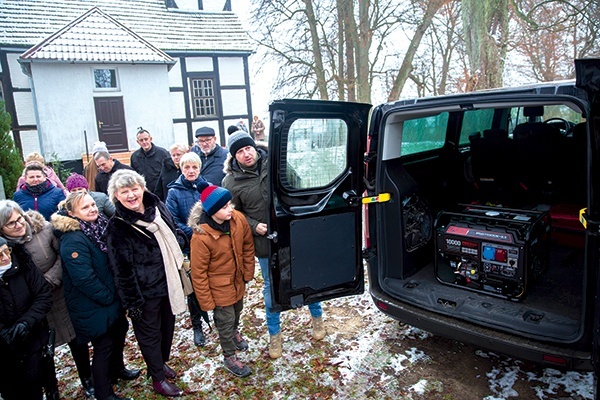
[{"x": 316, "y": 151}]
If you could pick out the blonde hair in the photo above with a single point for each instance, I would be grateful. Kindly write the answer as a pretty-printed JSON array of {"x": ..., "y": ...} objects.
[
  {"x": 179, "y": 146},
  {"x": 72, "y": 200},
  {"x": 34, "y": 157},
  {"x": 189, "y": 158}
]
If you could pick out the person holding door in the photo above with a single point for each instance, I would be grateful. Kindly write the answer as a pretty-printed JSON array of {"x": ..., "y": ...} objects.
[{"x": 247, "y": 181}]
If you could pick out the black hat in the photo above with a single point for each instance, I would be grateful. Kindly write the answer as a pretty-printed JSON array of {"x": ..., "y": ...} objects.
[{"x": 205, "y": 131}]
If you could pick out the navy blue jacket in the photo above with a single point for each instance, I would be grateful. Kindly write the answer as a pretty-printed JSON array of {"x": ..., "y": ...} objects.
[
  {"x": 182, "y": 196},
  {"x": 46, "y": 203},
  {"x": 212, "y": 164}
]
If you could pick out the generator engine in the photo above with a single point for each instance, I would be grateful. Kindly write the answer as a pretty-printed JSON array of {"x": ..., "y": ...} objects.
[{"x": 492, "y": 250}]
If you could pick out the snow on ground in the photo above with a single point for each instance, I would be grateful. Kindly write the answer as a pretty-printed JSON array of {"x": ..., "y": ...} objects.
[{"x": 366, "y": 355}]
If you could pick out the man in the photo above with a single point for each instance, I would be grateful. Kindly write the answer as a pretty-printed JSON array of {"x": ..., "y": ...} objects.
[
  {"x": 38, "y": 193},
  {"x": 246, "y": 179},
  {"x": 106, "y": 167},
  {"x": 212, "y": 156},
  {"x": 148, "y": 159}
]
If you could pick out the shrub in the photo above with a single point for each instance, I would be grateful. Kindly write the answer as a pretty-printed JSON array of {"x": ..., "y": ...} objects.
[{"x": 11, "y": 160}]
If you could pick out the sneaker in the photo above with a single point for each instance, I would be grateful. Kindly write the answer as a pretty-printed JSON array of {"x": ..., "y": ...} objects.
[
  {"x": 318, "y": 328},
  {"x": 239, "y": 342},
  {"x": 236, "y": 367},
  {"x": 275, "y": 346}
]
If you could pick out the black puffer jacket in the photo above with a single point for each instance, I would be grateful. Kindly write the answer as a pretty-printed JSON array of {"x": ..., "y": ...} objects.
[
  {"x": 134, "y": 254},
  {"x": 25, "y": 296},
  {"x": 149, "y": 164},
  {"x": 168, "y": 174}
]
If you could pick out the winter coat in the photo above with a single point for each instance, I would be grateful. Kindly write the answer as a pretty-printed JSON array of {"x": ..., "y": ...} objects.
[
  {"x": 89, "y": 286},
  {"x": 105, "y": 206},
  {"x": 46, "y": 203},
  {"x": 168, "y": 174},
  {"x": 50, "y": 175},
  {"x": 182, "y": 196},
  {"x": 221, "y": 263},
  {"x": 44, "y": 250},
  {"x": 24, "y": 297},
  {"x": 212, "y": 164},
  {"x": 102, "y": 178},
  {"x": 250, "y": 194},
  {"x": 134, "y": 254},
  {"x": 149, "y": 164}
]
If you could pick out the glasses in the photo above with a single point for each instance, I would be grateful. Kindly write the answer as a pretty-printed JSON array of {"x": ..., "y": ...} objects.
[
  {"x": 6, "y": 251},
  {"x": 205, "y": 141},
  {"x": 13, "y": 224}
]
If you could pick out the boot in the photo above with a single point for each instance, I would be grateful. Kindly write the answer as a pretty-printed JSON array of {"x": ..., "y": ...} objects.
[
  {"x": 239, "y": 342},
  {"x": 318, "y": 328},
  {"x": 199, "y": 339},
  {"x": 166, "y": 388},
  {"x": 236, "y": 367},
  {"x": 275, "y": 346},
  {"x": 169, "y": 372},
  {"x": 88, "y": 387}
]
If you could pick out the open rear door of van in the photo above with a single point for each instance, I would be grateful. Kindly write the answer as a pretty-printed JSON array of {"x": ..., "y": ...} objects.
[
  {"x": 588, "y": 78},
  {"x": 316, "y": 168}
]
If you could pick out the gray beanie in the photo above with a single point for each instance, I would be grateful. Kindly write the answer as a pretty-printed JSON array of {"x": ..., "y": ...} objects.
[
  {"x": 238, "y": 140},
  {"x": 2, "y": 241}
]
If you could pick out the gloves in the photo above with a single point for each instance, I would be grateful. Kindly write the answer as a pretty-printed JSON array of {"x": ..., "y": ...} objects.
[
  {"x": 16, "y": 333},
  {"x": 135, "y": 314}
]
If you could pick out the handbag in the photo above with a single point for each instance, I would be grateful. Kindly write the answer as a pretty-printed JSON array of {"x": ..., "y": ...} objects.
[{"x": 186, "y": 280}]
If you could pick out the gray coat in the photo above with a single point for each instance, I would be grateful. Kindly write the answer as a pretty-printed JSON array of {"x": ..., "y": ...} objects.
[
  {"x": 43, "y": 247},
  {"x": 250, "y": 194}
]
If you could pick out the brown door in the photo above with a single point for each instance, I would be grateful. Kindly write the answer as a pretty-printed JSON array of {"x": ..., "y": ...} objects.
[{"x": 110, "y": 120}]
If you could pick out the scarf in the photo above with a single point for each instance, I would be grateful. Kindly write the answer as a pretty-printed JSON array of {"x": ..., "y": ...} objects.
[
  {"x": 224, "y": 227},
  {"x": 172, "y": 259},
  {"x": 95, "y": 231},
  {"x": 38, "y": 189}
]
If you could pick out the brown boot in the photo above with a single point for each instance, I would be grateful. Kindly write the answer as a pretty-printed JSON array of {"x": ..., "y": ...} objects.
[
  {"x": 275, "y": 346},
  {"x": 318, "y": 328}
]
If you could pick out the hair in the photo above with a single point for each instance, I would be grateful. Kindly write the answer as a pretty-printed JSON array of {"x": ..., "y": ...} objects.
[
  {"x": 102, "y": 154},
  {"x": 7, "y": 207},
  {"x": 34, "y": 167},
  {"x": 124, "y": 178},
  {"x": 189, "y": 158},
  {"x": 140, "y": 131},
  {"x": 72, "y": 200},
  {"x": 179, "y": 146},
  {"x": 36, "y": 157}
]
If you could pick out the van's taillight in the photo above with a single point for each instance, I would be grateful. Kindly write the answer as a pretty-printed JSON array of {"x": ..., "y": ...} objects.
[
  {"x": 381, "y": 305},
  {"x": 555, "y": 359}
]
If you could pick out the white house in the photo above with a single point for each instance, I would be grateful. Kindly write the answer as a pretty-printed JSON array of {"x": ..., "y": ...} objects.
[{"x": 79, "y": 71}]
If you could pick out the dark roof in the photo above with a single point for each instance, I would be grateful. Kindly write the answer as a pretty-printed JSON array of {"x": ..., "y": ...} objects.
[{"x": 25, "y": 23}]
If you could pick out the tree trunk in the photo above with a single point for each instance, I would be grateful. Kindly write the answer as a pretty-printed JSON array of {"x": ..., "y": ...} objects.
[{"x": 316, "y": 50}]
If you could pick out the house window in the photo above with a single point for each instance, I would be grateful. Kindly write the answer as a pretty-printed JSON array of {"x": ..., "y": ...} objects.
[
  {"x": 203, "y": 98},
  {"x": 105, "y": 78}
]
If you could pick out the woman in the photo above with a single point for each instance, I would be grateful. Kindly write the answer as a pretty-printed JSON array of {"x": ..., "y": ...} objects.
[
  {"x": 78, "y": 183},
  {"x": 183, "y": 194},
  {"x": 145, "y": 256},
  {"x": 31, "y": 230},
  {"x": 52, "y": 177},
  {"x": 170, "y": 169},
  {"x": 38, "y": 193},
  {"x": 90, "y": 290},
  {"x": 24, "y": 301}
]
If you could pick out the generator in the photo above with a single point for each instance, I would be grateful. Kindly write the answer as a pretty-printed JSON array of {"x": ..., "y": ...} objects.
[{"x": 492, "y": 250}]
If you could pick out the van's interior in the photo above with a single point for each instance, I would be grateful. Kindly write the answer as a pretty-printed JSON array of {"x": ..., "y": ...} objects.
[{"x": 483, "y": 225}]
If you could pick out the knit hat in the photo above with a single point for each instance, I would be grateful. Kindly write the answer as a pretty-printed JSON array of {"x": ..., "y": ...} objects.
[
  {"x": 76, "y": 181},
  {"x": 213, "y": 198},
  {"x": 2, "y": 241},
  {"x": 99, "y": 146},
  {"x": 232, "y": 129},
  {"x": 238, "y": 140},
  {"x": 205, "y": 131}
]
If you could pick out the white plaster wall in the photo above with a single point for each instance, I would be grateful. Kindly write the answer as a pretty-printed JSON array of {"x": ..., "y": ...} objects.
[
  {"x": 31, "y": 143},
  {"x": 180, "y": 134},
  {"x": 175, "y": 75},
  {"x": 17, "y": 78},
  {"x": 234, "y": 102},
  {"x": 65, "y": 102},
  {"x": 24, "y": 108},
  {"x": 177, "y": 104},
  {"x": 198, "y": 64},
  {"x": 231, "y": 71}
]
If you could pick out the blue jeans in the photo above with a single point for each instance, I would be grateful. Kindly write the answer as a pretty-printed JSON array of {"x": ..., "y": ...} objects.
[{"x": 273, "y": 318}]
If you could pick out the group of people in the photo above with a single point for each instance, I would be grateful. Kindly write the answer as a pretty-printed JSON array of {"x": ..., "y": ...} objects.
[{"x": 74, "y": 268}]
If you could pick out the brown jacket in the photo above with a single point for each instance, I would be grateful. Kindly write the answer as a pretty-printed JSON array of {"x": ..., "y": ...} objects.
[{"x": 221, "y": 263}]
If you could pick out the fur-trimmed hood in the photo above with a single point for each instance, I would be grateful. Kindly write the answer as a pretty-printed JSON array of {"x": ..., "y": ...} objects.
[
  {"x": 194, "y": 218},
  {"x": 63, "y": 223},
  {"x": 35, "y": 220}
]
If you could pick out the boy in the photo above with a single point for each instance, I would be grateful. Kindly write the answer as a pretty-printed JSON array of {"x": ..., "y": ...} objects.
[{"x": 222, "y": 262}]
